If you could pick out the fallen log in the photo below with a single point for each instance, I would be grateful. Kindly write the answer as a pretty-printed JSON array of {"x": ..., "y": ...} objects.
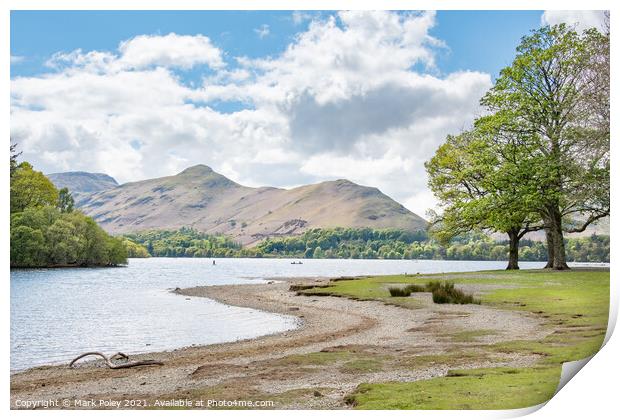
[{"x": 119, "y": 355}]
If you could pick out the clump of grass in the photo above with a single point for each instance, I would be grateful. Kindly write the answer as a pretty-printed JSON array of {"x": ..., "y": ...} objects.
[
  {"x": 442, "y": 292},
  {"x": 397, "y": 291},
  {"x": 406, "y": 291},
  {"x": 431, "y": 286},
  {"x": 414, "y": 288},
  {"x": 446, "y": 293}
]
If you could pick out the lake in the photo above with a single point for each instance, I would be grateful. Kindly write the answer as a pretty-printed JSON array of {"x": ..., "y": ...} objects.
[{"x": 57, "y": 314}]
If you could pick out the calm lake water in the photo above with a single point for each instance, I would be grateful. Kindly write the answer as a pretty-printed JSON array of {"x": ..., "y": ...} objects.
[{"x": 57, "y": 314}]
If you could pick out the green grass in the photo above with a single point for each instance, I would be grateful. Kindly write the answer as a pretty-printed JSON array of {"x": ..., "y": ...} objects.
[
  {"x": 481, "y": 389},
  {"x": 470, "y": 336},
  {"x": 366, "y": 288},
  {"x": 575, "y": 304},
  {"x": 362, "y": 365},
  {"x": 453, "y": 357}
]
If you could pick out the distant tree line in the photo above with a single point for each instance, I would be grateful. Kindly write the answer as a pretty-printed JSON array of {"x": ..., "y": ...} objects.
[
  {"x": 186, "y": 242},
  {"x": 364, "y": 243},
  {"x": 398, "y": 244},
  {"x": 46, "y": 231}
]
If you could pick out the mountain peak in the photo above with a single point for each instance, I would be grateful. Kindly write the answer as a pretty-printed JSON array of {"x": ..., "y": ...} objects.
[
  {"x": 199, "y": 169},
  {"x": 344, "y": 181},
  {"x": 342, "y": 184},
  {"x": 206, "y": 177}
]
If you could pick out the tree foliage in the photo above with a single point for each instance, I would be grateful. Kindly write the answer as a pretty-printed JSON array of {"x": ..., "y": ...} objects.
[
  {"x": 185, "y": 242},
  {"x": 14, "y": 154},
  {"x": 557, "y": 92},
  {"x": 135, "y": 250},
  {"x": 359, "y": 243},
  {"x": 540, "y": 159},
  {"x": 480, "y": 178},
  {"x": 344, "y": 243},
  {"x": 65, "y": 201},
  {"x": 45, "y": 236},
  {"x": 30, "y": 188},
  {"x": 45, "y": 231}
]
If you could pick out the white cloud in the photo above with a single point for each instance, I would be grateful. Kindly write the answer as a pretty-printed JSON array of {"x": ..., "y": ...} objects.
[
  {"x": 342, "y": 101},
  {"x": 171, "y": 50},
  {"x": 262, "y": 31},
  {"x": 421, "y": 202},
  {"x": 582, "y": 19},
  {"x": 300, "y": 17},
  {"x": 15, "y": 59},
  {"x": 144, "y": 51}
]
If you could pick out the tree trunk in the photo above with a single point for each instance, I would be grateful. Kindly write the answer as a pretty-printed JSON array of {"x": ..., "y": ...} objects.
[
  {"x": 550, "y": 249},
  {"x": 559, "y": 253},
  {"x": 559, "y": 262},
  {"x": 513, "y": 253}
]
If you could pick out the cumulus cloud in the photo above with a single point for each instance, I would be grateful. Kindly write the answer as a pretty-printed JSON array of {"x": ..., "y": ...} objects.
[
  {"x": 144, "y": 51},
  {"x": 341, "y": 101},
  {"x": 581, "y": 19},
  {"x": 171, "y": 50}
]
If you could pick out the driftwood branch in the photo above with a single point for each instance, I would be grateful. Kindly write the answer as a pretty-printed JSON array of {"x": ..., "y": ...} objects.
[{"x": 119, "y": 355}]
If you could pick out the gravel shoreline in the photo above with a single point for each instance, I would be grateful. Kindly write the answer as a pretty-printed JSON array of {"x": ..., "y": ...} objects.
[{"x": 290, "y": 366}]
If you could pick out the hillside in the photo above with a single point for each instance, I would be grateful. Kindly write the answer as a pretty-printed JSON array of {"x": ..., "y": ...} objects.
[
  {"x": 200, "y": 198},
  {"x": 82, "y": 184}
]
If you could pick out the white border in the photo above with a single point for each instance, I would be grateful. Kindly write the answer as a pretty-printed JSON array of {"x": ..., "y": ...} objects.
[{"x": 592, "y": 393}]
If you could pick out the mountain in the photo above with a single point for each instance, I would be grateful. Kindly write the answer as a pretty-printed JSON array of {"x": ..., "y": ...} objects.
[
  {"x": 82, "y": 184},
  {"x": 200, "y": 198}
]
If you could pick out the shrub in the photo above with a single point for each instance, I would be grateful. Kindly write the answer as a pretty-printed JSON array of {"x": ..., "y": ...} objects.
[
  {"x": 441, "y": 296},
  {"x": 407, "y": 290},
  {"x": 442, "y": 292},
  {"x": 397, "y": 291},
  {"x": 46, "y": 237},
  {"x": 431, "y": 286},
  {"x": 446, "y": 293},
  {"x": 414, "y": 288}
]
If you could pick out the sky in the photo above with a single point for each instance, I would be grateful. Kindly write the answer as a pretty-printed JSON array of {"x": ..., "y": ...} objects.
[{"x": 266, "y": 98}]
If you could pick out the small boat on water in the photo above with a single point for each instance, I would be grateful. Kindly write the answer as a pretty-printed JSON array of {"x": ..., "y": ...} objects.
[{"x": 298, "y": 262}]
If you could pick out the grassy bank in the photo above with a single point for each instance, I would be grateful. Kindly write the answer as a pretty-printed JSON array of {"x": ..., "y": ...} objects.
[{"x": 574, "y": 304}]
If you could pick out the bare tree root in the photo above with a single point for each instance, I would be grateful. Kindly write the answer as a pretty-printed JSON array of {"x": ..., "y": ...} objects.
[{"x": 117, "y": 356}]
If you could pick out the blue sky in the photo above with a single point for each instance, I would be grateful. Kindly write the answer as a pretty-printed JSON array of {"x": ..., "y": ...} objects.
[
  {"x": 476, "y": 40},
  {"x": 266, "y": 98}
]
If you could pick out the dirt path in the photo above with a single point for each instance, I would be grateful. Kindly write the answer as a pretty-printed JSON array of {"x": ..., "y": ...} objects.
[{"x": 340, "y": 344}]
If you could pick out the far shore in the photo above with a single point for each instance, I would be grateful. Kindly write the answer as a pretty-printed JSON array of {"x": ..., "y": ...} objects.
[{"x": 286, "y": 367}]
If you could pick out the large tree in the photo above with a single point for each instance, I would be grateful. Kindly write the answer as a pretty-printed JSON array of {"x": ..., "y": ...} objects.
[
  {"x": 30, "y": 188},
  {"x": 45, "y": 231},
  {"x": 555, "y": 91},
  {"x": 480, "y": 178}
]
